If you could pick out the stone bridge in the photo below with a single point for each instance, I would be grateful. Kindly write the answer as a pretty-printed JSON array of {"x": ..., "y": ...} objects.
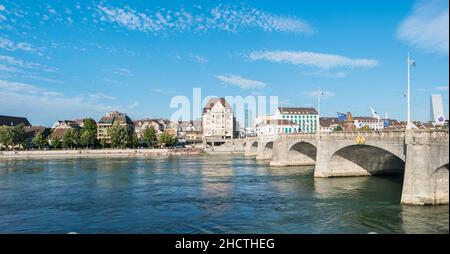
[{"x": 422, "y": 156}]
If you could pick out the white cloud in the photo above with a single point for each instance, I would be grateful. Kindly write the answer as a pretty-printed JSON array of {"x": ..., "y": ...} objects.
[
  {"x": 122, "y": 72},
  {"x": 17, "y": 87},
  {"x": 323, "y": 94},
  {"x": 427, "y": 26},
  {"x": 30, "y": 100},
  {"x": 228, "y": 18},
  {"x": 24, "y": 64},
  {"x": 312, "y": 59},
  {"x": 241, "y": 82},
  {"x": 12, "y": 46},
  {"x": 198, "y": 58}
]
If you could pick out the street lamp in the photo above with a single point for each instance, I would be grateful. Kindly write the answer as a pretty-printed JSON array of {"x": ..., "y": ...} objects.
[
  {"x": 320, "y": 93},
  {"x": 408, "y": 95}
]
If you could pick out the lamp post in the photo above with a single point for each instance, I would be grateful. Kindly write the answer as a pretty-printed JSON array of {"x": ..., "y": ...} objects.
[
  {"x": 318, "y": 109},
  {"x": 408, "y": 94}
]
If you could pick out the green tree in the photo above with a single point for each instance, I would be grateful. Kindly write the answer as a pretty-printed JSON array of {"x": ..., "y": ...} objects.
[
  {"x": 70, "y": 139},
  {"x": 339, "y": 128},
  {"x": 57, "y": 143},
  {"x": 150, "y": 136},
  {"x": 364, "y": 128},
  {"x": 119, "y": 136},
  {"x": 6, "y": 136},
  {"x": 104, "y": 142},
  {"x": 134, "y": 141},
  {"x": 88, "y": 133},
  {"x": 19, "y": 137},
  {"x": 166, "y": 139},
  {"x": 39, "y": 141}
]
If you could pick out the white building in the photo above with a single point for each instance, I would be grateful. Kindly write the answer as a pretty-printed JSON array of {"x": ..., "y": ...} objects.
[
  {"x": 306, "y": 119},
  {"x": 218, "y": 120},
  {"x": 437, "y": 110},
  {"x": 373, "y": 123},
  {"x": 65, "y": 124},
  {"x": 275, "y": 126}
]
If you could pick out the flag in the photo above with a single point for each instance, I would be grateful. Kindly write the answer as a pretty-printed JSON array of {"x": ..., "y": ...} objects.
[
  {"x": 342, "y": 117},
  {"x": 440, "y": 119},
  {"x": 375, "y": 114},
  {"x": 386, "y": 123},
  {"x": 412, "y": 62}
]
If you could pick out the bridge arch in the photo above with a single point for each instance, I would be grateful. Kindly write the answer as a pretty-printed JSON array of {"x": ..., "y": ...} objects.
[
  {"x": 302, "y": 153},
  {"x": 254, "y": 146},
  {"x": 365, "y": 160},
  {"x": 268, "y": 145}
]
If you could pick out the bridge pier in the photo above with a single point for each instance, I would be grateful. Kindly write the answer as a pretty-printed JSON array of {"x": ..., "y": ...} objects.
[
  {"x": 426, "y": 180},
  {"x": 325, "y": 167},
  {"x": 264, "y": 153},
  {"x": 294, "y": 152}
]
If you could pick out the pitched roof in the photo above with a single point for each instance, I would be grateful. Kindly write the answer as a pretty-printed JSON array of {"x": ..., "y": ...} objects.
[
  {"x": 328, "y": 121},
  {"x": 303, "y": 111},
  {"x": 213, "y": 102},
  {"x": 31, "y": 131},
  {"x": 13, "y": 120},
  {"x": 58, "y": 132},
  {"x": 113, "y": 117}
]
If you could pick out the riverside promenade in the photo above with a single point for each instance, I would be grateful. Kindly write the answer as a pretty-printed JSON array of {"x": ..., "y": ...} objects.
[{"x": 98, "y": 153}]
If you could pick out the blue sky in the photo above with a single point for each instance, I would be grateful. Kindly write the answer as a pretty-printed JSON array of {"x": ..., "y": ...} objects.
[{"x": 72, "y": 59}]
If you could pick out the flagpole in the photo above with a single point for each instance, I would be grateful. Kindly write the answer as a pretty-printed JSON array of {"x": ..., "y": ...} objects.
[{"x": 408, "y": 124}]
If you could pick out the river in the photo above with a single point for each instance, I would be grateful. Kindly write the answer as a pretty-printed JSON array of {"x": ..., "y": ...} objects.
[{"x": 200, "y": 194}]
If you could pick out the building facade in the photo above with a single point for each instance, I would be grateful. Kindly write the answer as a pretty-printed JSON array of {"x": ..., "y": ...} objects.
[
  {"x": 218, "y": 120},
  {"x": 65, "y": 124},
  {"x": 305, "y": 119},
  {"x": 275, "y": 126},
  {"x": 373, "y": 123},
  {"x": 328, "y": 124},
  {"x": 109, "y": 120},
  {"x": 141, "y": 125}
]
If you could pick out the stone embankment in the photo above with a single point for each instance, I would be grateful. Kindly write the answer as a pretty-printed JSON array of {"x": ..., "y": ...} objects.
[{"x": 105, "y": 153}]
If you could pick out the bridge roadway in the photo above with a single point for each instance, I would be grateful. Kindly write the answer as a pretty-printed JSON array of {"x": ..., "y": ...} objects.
[{"x": 421, "y": 155}]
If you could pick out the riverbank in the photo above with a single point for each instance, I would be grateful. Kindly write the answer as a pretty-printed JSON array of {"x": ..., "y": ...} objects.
[{"x": 96, "y": 153}]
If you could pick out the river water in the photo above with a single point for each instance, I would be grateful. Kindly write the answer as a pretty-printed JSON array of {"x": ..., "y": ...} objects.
[{"x": 200, "y": 194}]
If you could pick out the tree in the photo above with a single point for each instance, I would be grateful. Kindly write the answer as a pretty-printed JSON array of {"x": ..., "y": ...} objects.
[
  {"x": 166, "y": 139},
  {"x": 150, "y": 136},
  {"x": 88, "y": 133},
  {"x": 119, "y": 136},
  {"x": 104, "y": 142},
  {"x": 19, "y": 137},
  {"x": 57, "y": 143},
  {"x": 6, "y": 136},
  {"x": 70, "y": 139},
  {"x": 39, "y": 141},
  {"x": 364, "y": 128},
  {"x": 339, "y": 128},
  {"x": 134, "y": 142}
]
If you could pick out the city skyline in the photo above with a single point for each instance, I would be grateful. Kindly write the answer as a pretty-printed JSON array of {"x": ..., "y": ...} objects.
[{"x": 134, "y": 57}]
